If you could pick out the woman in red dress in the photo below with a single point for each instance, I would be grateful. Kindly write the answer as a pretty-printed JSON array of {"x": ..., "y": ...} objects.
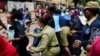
[{"x": 6, "y": 49}]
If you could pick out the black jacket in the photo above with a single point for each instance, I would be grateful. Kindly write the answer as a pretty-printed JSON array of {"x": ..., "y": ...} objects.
[{"x": 19, "y": 33}]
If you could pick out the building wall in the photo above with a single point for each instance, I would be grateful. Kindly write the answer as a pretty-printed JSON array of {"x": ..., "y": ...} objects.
[{"x": 67, "y": 2}]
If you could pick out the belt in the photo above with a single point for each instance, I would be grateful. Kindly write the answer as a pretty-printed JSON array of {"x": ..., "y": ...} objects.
[{"x": 54, "y": 46}]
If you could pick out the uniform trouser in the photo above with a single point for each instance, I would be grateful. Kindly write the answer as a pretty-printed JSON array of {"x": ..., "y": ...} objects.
[
  {"x": 63, "y": 40},
  {"x": 52, "y": 51},
  {"x": 62, "y": 51},
  {"x": 63, "y": 36}
]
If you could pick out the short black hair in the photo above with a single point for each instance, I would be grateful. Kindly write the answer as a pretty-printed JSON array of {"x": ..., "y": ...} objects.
[
  {"x": 57, "y": 11},
  {"x": 51, "y": 9},
  {"x": 17, "y": 14}
]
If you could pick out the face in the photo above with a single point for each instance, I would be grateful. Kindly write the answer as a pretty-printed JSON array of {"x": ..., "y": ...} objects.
[
  {"x": 71, "y": 12},
  {"x": 87, "y": 14}
]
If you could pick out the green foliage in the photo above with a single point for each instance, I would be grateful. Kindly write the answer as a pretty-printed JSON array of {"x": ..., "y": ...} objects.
[{"x": 85, "y": 1}]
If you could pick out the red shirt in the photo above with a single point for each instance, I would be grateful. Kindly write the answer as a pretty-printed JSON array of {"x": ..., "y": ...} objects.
[
  {"x": 95, "y": 49},
  {"x": 6, "y": 49}
]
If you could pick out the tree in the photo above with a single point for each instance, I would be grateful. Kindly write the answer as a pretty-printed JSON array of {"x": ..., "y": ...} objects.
[
  {"x": 21, "y": 0},
  {"x": 82, "y": 2},
  {"x": 75, "y": 3}
]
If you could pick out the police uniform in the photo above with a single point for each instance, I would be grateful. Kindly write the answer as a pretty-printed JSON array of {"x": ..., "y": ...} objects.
[
  {"x": 49, "y": 44},
  {"x": 93, "y": 22},
  {"x": 63, "y": 33}
]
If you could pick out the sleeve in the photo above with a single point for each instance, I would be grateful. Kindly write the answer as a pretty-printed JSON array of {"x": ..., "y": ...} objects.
[
  {"x": 44, "y": 44},
  {"x": 85, "y": 41},
  {"x": 85, "y": 37},
  {"x": 36, "y": 35}
]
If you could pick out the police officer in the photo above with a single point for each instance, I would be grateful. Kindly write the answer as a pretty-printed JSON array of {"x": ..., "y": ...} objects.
[
  {"x": 91, "y": 13},
  {"x": 49, "y": 44}
]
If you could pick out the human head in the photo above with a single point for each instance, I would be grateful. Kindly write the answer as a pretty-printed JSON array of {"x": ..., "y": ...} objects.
[
  {"x": 10, "y": 17},
  {"x": 57, "y": 11},
  {"x": 91, "y": 9},
  {"x": 19, "y": 15},
  {"x": 26, "y": 9},
  {"x": 71, "y": 12},
  {"x": 42, "y": 22}
]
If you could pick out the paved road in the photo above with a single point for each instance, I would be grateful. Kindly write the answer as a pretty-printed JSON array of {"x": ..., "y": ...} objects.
[{"x": 33, "y": 26}]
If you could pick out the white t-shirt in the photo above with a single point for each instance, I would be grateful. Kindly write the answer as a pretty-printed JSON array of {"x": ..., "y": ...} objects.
[{"x": 56, "y": 22}]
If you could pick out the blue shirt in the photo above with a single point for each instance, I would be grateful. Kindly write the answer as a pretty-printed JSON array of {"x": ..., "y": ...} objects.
[{"x": 66, "y": 16}]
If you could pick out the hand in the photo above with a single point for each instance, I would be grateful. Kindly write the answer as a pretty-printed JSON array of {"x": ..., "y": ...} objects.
[
  {"x": 76, "y": 44},
  {"x": 8, "y": 39},
  {"x": 29, "y": 34},
  {"x": 31, "y": 48},
  {"x": 72, "y": 32},
  {"x": 94, "y": 40},
  {"x": 88, "y": 47}
]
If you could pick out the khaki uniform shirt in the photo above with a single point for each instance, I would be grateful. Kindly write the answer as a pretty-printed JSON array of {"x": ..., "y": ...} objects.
[{"x": 48, "y": 39}]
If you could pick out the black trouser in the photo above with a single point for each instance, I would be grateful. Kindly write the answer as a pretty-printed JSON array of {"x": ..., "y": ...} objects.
[
  {"x": 58, "y": 36},
  {"x": 71, "y": 39},
  {"x": 21, "y": 47},
  {"x": 22, "y": 51}
]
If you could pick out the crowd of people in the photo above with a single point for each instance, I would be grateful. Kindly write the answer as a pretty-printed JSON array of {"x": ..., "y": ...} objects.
[{"x": 62, "y": 31}]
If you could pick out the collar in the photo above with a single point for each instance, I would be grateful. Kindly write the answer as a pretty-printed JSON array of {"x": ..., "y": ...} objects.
[
  {"x": 92, "y": 20},
  {"x": 45, "y": 27}
]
